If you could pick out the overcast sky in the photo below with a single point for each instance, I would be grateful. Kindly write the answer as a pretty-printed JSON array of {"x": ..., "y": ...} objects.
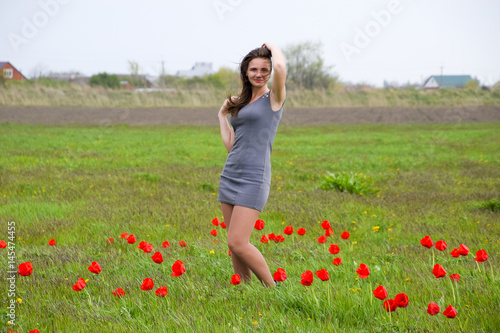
[{"x": 364, "y": 40}]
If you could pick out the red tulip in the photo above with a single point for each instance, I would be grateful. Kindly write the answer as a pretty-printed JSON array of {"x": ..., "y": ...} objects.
[
  {"x": 271, "y": 236},
  {"x": 147, "y": 284},
  {"x": 3, "y": 245},
  {"x": 215, "y": 221},
  {"x": 32, "y": 331},
  {"x": 95, "y": 267},
  {"x": 182, "y": 244},
  {"x": 229, "y": 253},
  {"x": 259, "y": 224},
  {"x": 145, "y": 246},
  {"x": 178, "y": 268},
  {"x": 345, "y": 235},
  {"x": 328, "y": 232},
  {"x": 235, "y": 279},
  {"x": 288, "y": 230},
  {"x": 279, "y": 238},
  {"x": 80, "y": 284},
  {"x": 455, "y": 277},
  {"x": 323, "y": 275},
  {"x": 325, "y": 224},
  {"x": 280, "y": 275},
  {"x": 264, "y": 239},
  {"x": 401, "y": 300},
  {"x": 334, "y": 249},
  {"x": 213, "y": 233},
  {"x": 52, "y": 242},
  {"x": 380, "y": 292},
  {"x": 463, "y": 250},
  {"x": 165, "y": 244},
  {"x": 441, "y": 245},
  {"x": 455, "y": 253},
  {"x": 481, "y": 256},
  {"x": 161, "y": 292},
  {"x": 301, "y": 232},
  {"x": 110, "y": 240},
  {"x": 322, "y": 239},
  {"x": 363, "y": 271},
  {"x": 157, "y": 258},
  {"x": 25, "y": 269},
  {"x": 433, "y": 309},
  {"x": 450, "y": 312},
  {"x": 427, "y": 242},
  {"x": 337, "y": 261},
  {"x": 390, "y": 305},
  {"x": 124, "y": 235},
  {"x": 438, "y": 271},
  {"x": 119, "y": 292},
  {"x": 307, "y": 278},
  {"x": 131, "y": 239}
]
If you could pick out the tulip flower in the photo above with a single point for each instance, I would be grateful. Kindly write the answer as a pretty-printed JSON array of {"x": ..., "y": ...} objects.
[
  {"x": 455, "y": 277},
  {"x": 481, "y": 256},
  {"x": 213, "y": 233},
  {"x": 328, "y": 232},
  {"x": 325, "y": 224},
  {"x": 438, "y": 271},
  {"x": 157, "y": 258},
  {"x": 235, "y": 279},
  {"x": 455, "y": 253},
  {"x": 322, "y": 239},
  {"x": 223, "y": 225},
  {"x": 390, "y": 305},
  {"x": 433, "y": 309},
  {"x": 178, "y": 268},
  {"x": 182, "y": 244},
  {"x": 95, "y": 267},
  {"x": 3, "y": 245},
  {"x": 52, "y": 242},
  {"x": 288, "y": 230},
  {"x": 147, "y": 284},
  {"x": 110, "y": 240},
  {"x": 271, "y": 236},
  {"x": 427, "y": 242},
  {"x": 165, "y": 244},
  {"x": 363, "y": 271},
  {"x": 441, "y": 245},
  {"x": 119, "y": 292},
  {"x": 279, "y": 238},
  {"x": 323, "y": 275},
  {"x": 380, "y": 292},
  {"x": 450, "y": 312},
  {"x": 401, "y": 300},
  {"x": 215, "y": 221},
  {"x": 337, "y": 261},
  {"x": 301, "y": 232},
  {"x": 264, "y": 239},
  {"x": 334, "y": 249},
  {"x": 463, "y": 250},
  {"x": 280, "y": 275},
  {"x": 131, "y": 239},
  {"x": 307, "y": 278},
  {"x": 25, "y": 269},
  {"x": 32, "y": 331},
  {"x": 259, "y": 224},
  {"x": 161, "y": 292},
  {"x": 345, "y": 235},
  {"x": 124, "y": 235},
  {"x": 80, "y": 284}
]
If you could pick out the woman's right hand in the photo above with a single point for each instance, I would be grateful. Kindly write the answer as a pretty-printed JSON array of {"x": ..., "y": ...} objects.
[{"x": 223, "y": 109}]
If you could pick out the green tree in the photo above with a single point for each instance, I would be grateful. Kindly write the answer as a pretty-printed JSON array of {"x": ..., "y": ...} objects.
[
  {"x": 105, "y": 80},
  {"x": 306, "y": 68}
]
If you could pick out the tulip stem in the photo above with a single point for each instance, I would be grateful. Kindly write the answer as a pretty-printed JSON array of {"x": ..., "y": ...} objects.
[
  {"x": 453, "y": 290},
  {"x": 478, "y": 267},
  {"x": 90, "y": 300},
  {"x": 432, "y": 257},
  {"x": 371, "y": 293},
  {"x": 492, "y": 276}
]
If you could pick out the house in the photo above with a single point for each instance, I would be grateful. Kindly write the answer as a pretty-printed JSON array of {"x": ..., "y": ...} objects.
[
  {"x": 9, "y": 72},
  {"x": 200, "y": 69},
  {"x": 447, "y": 81}
]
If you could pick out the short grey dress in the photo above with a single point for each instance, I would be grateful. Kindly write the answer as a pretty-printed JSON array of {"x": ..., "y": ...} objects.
[{"x": 246, "y": 177}]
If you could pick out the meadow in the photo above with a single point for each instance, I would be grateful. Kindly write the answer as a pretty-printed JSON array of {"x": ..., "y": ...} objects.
[{"x": 82, "y": 185}]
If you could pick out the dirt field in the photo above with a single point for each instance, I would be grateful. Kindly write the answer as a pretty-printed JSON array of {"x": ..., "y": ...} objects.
[{"x": 208, "y": 116}]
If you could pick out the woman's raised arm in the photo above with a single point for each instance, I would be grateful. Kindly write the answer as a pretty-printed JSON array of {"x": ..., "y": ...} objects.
[{"x": 279, "y": 67}]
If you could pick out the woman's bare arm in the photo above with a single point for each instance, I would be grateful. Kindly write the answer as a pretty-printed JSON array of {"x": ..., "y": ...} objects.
[
  {"x": 278, "y": 93},
  {"x": 226, "y": 131}
]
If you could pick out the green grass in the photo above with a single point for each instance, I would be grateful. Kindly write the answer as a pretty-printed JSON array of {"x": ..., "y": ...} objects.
[{"x": 81, "y": 185}]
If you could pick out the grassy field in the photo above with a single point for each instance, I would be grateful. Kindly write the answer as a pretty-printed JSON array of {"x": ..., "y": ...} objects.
[
  {"x": 82, "y": 185},
  {"x": 33, "y": 93}
]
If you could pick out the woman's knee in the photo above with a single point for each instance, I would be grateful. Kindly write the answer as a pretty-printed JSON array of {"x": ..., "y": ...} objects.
[{"x": 237, "y": 246}]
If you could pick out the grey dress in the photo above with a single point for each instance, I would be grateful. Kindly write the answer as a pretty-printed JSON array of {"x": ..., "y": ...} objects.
[{"x": 246, "y": 177}]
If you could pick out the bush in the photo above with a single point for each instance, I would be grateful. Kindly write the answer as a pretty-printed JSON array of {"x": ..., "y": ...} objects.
[
  {"x": 493, "y": 205},
  {"x": 105, "y": 80},
  {"x": 352, "y": 183}
]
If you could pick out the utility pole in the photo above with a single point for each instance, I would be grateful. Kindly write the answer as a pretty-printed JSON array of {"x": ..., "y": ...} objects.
[{"x": 441, "y": 76}]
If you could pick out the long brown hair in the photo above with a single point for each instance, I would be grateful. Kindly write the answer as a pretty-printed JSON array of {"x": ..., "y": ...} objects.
[{"x": 245, "y": 95}]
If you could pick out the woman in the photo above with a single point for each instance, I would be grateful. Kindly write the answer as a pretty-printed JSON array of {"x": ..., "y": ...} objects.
[{"x": 246, "y": 178}]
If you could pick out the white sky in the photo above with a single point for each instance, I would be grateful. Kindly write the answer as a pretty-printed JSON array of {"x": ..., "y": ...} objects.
[{"x": 414, "y": 42}]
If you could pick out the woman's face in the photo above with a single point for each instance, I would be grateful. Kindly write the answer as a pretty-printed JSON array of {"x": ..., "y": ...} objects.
[{"x": 259, "y": 71}]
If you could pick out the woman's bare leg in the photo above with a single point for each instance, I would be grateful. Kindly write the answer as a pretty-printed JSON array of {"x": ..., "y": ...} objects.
[
  {"x": 239, "y": 266},
  {"x": 238, "y": 239}
]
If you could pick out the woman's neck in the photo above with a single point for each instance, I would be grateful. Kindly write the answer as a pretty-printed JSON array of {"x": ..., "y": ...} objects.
[{"x": 259, "y": 91}]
